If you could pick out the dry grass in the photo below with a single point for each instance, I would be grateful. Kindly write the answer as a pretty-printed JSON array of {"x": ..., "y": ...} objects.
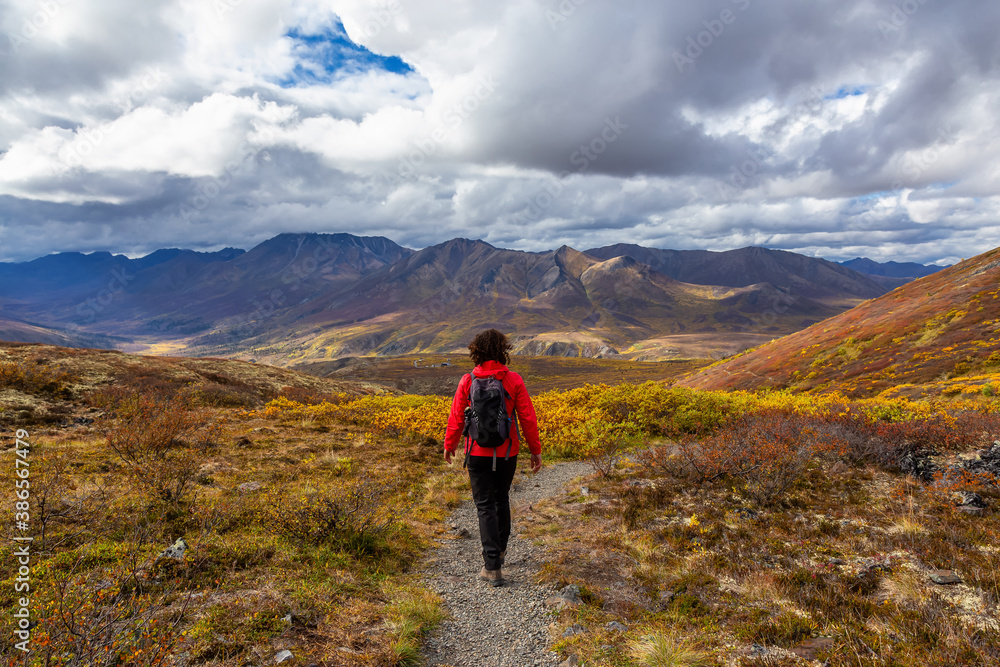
[
  {"x": 275, "y": 528},
  {"x": 347, "y": 590},
  {"x": 846, "y": 556},
  {"x": 663, "y": 650}
]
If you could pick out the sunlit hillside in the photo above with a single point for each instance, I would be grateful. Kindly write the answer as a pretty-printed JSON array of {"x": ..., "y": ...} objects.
[{"x": 938, "y": 335}]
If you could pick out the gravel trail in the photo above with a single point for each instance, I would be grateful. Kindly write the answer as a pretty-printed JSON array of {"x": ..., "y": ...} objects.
[{"x": 486, "y": 626}]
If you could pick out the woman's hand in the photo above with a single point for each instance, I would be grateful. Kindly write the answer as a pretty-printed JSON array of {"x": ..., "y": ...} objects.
[
  {"x": 536, "y": 462},
  {"x": 447, "y": 457}
]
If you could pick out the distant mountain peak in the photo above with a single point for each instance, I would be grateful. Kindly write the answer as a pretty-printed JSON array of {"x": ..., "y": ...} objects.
[{"x": 891, "y": 269}]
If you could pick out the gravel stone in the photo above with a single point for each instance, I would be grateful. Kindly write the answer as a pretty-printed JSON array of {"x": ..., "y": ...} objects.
[{"x": 495, "y": 627}]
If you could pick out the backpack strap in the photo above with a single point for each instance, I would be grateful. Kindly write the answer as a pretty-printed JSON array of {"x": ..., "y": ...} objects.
[
  {"x": 468, "y": 438},
  {"x": 510, "y": 441}
]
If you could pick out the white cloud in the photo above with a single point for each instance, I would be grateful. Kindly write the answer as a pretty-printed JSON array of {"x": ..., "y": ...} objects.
[{"x": 749, "y": 144}]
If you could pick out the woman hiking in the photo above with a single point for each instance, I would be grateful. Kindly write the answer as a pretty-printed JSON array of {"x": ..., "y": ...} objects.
[{"x": 492, "y": 463}]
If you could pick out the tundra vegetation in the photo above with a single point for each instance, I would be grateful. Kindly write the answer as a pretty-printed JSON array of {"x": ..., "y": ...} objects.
[{"x": 716, "y": 528}]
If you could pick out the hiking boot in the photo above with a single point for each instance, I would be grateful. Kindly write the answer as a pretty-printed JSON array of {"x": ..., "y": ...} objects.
[{"x": 492, "y": 577}]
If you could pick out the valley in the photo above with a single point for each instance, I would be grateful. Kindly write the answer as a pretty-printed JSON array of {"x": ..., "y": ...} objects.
[{"x": 300, "y": 298}]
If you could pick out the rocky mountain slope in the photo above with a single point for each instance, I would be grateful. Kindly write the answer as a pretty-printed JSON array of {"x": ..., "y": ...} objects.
[{"x": 302, "y": 297}]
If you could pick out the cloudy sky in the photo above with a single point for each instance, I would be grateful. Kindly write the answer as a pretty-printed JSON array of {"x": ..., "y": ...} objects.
[{"x": 834, "y": 128}]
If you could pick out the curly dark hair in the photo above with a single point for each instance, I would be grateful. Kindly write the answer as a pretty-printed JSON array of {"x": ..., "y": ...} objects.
[{"x": 490, "y": 345}]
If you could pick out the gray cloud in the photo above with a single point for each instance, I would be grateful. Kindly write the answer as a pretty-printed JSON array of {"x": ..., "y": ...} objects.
[{"x": 832, "y": 128}]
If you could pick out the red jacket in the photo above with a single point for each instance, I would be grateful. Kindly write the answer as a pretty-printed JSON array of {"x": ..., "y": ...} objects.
[{"x": 519, "y": 403}]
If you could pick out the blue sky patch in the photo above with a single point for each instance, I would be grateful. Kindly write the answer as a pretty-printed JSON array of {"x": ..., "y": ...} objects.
[
  {"x": 330, "y": 55},
  {"x": 873, "y": 196},
  {"x": 847, "y": 91}
]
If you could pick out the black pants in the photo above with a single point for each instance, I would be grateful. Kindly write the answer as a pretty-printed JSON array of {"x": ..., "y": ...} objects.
[{"x": 491, "y": 491}]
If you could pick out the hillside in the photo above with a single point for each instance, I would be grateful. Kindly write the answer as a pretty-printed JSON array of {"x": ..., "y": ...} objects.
[
  {"x": 562, "y": 302},
  {"x": 297, "y": 298},
  {"x": 941, "y": 333},
  {"x": 13, "y": 331},
  {"x": 45, "y": 384},
  {"x": 799, "y": 275}
]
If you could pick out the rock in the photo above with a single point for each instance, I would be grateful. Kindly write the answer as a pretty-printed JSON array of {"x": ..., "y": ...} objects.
[
  {"x": 945, "y": 577},
  {"x": 974, "y": 511},
  {"x": 584, "y": 490},
  {"x": 920, "y": 467},
  {"x": 571, "y": 592},
  {"x": 249, "y": 487},
  {"x": 282, "y": 656},
  {"x": 839, "y": 468},
  {"x": 836, "y": 561},
  {"x": 568, "y": 597},
  {"x": 877, "y": 568},
  {"x": 570, "y": 662},
  {"x": 810, "y": 648},
  {"x": 747, "y": 513},
  {"x": 175, "y": 551},
  {"x": 969, "y": 499},
  {"x": 988, "y": 461},
  {"x": 575, "y": 629},
  {"x": 244, "y": 442},
  {"x": 615, "y": 626},
  {"x": 462, "y": 533},
  {"x": 666, "y": 596},
  {"x": 559, "y": 603}
]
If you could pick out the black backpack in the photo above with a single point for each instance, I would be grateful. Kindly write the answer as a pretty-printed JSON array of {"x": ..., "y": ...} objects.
[{"x": 486, "y": 420}]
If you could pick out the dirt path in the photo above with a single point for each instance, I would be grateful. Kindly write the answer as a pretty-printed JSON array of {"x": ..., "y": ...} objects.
[{"x": 495, "y": 627}]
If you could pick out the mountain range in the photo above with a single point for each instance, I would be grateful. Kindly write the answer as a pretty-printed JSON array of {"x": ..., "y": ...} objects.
[{"x": 300, "y": 297}]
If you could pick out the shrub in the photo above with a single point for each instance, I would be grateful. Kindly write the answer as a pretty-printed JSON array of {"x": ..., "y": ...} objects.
[
  {"x": 764, "y": 452},
  {"x": 607, "y": 444},
  {"x": 307, "y": 396},
  {"x": 356, "y": 516},
  {"x": 35, "y": 378},
  {"x": 225, "y": 396},
  {"x": 158, "y": 438},
  {"x": 659, "y": 410},
  {"x": 113, "y": 614}
]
